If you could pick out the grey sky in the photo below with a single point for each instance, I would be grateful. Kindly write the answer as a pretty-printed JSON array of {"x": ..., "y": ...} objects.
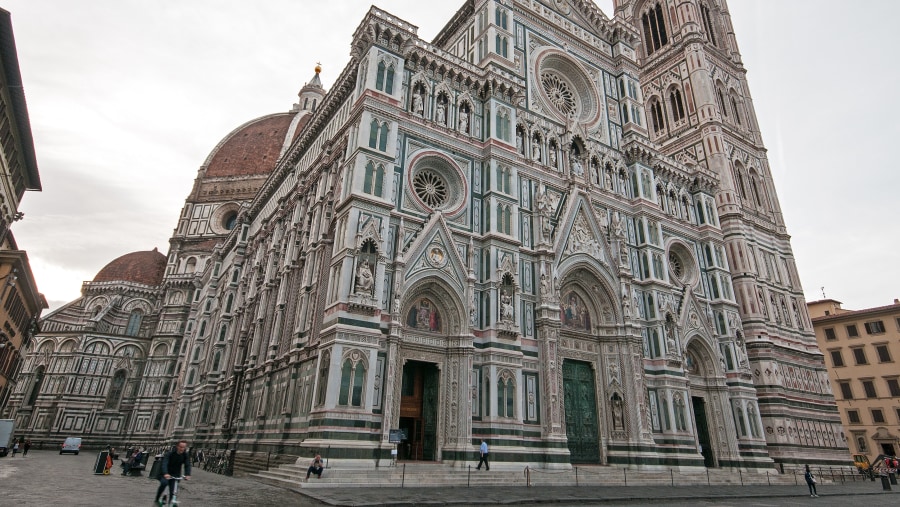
[{"x": 128, "y": 97}]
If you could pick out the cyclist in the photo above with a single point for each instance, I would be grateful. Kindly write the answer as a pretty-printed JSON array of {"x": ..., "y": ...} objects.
[{"x": 171, "y": 467}]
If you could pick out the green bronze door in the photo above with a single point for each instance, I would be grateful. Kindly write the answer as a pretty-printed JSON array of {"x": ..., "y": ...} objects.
[
  {"x": 430, "y": 412},
  {"x": 581, "y": 412}
]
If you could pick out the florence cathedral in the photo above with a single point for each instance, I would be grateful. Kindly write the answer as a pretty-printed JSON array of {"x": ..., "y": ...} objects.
[{"x": 549, "y": 228}]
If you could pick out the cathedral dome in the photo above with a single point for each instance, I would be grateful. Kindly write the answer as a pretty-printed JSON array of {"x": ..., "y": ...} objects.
[
  {"x": 251, "y": 149},
  {"x": 138, "y": 267}
]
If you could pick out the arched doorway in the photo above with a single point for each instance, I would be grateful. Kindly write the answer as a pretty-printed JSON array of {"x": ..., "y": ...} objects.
[
  {"x": 419, "y": 395},
  {"x": 699, "y": 368}
]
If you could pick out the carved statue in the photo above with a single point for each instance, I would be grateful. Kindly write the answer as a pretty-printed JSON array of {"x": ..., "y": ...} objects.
[
  {"x": 396, "y": 308},
  {"x": 441, "y": 113},
  {"x": 626, "y": 305},
  {"x": 552, "y": 155},
  {"x": 618, "y": 414},
  {"x": 618, "y": 227},
  {"x": 536, "y": 151},
  {"x": 464, "y": 121},
  {"x": 418, "y": 103},
  {"x": 545, "y": 285},
  {"x": 577, "y": 168},
  {"x": 365, "y": 281},
  {"x": 506, "y": 307},
  {"x": 520, "y": 142}
]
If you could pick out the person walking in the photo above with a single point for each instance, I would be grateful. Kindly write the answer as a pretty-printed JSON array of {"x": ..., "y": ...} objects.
[
  {"x": 15, "y": 447},
  {"x": 484, "y": 456},
  {"x": 172, "y": 463},
  {"x": 315, "y": 467},
  {"x": 25, "y": 447},
  {"x": 811, "y": 482}
]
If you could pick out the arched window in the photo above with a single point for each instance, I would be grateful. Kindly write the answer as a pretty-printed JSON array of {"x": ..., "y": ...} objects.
[
  {"x": 502, "y": 18},
  {"x": 353, "y": 376},
  {"x": 373, "y": 182},
  {"x": 739, "y": 182},
  {"x": 707, "y": 24},
  {"x": 722, "y": 103},
  {"x": 654, "y": 24},
  {"x": 677, "y": 104},
  {"x": 134, "y": 323},
  {"x": 217, "y": 358},
  {"x": 506, "y": 396},
  {"x": 191, "y": 265},
  {"x": 383, "y": 137},
  {"x": 735, "y": 110},
  {"x": 323, "y": 379},
  {"x": 739, "y": 418},
  {"x": 755, "y": 190},
  {"x": 114, "y": 397},
  {"x": 222, "y": 331},
  {"x": 754, "y": 421},
  {"x": 190, "y": 378},
  {"x": 384, "y": 78},
  {"x": 36, "y": 386},
  {"x": 656, "y": 115},
  {"x": 228, "y": 303},
  {"x": 373, "y": 134}
]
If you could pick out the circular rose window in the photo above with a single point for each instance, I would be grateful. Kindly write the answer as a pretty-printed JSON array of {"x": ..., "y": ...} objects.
[
  {"x": 566, "y": 88},
  {"x": 430, "y": 187},
  {"x": 559, "y": 92},
  {"x": 682, "y": 265}
]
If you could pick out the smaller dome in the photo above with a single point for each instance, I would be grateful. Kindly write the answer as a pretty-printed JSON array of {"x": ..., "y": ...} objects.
[{"x": 147, "y": 268}]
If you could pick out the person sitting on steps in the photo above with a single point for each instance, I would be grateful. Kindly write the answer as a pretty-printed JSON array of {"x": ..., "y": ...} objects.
[{"x": 315, "y": 467}]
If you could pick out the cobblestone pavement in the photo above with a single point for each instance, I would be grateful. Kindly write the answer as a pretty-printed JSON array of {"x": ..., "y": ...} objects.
[{"x": 44, "y": 478}]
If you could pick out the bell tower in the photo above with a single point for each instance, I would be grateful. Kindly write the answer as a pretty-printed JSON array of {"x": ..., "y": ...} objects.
[{"x": 699, "y": 112}]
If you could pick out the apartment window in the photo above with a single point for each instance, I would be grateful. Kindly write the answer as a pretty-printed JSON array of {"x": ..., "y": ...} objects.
[
  {"x": 829, "y": 334},
  {"x": 859, "y": 354},
  {"x": 861, "y": 444},
  {"x": 836, "y": 358},
  {"x": 853, "y": 416},
  {"x": 877, "y": 415},
  {"x": 884, "y": 355},
  {"x": 898, "y": 414},
  {"x": 852, "y": 332},
  {"x": 846, "y": 390},
  {"x": 893, "y": 386},
  {"x": 874, "y": 327},
  {"x": 869, "y": 388}
]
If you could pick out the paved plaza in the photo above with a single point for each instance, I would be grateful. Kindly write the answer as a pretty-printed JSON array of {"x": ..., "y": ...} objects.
[{"x": 45, "y": 478}]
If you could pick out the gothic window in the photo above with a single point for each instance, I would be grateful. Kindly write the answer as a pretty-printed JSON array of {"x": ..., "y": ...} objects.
[
  {"x": 115, "y": 390},
  {"x": 754, "y": 188},
  {"x": 384, "y": 79},
  {"x": 735, "y": 110},
  {"x": 503, "y": 125},
  {"x": 374, "y": 180},
  {"x": 502, "y": 18},
  {"x": 323, "y": 379},
  {"x": 739, "y": 182},
  {"x": 676, "y": 104},
  {"x": 707, "y": 24},
  {"x": 754, "y": 421},
  {"x": 506, "y": 395},
  {"x": 134, "y": 323},
  {"x": 722, "y": 107},
  {"x": 559, "y": 91},
  {"x": 353, "y": 375},
  {"x": 501, "y": 44},
  {"x": 383, "y": 137},
  {"x": 739, "y": 419},
  {"x": 191, "y": 265},
  {"x": 664, "y": 410},
  {"x": 430, "y": 187},
  {"x": 36, "y": 386},
  {"x": 217, "y": 358},
  {"x": 373, "y": 134},
  {"x": 654, "y": 26},
  {"x": 657, "y": 119},
  {"x": 228, "y": 303},
  {"x": 531, "y": 397}
]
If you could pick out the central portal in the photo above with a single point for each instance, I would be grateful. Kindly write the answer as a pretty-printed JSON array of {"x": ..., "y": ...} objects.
[
  {"x": 582, "y": 430},
  {"x": 418, "y": 411}
]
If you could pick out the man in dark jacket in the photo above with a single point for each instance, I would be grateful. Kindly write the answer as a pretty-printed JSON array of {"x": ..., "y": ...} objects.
[{"x": 171, "y": 467}]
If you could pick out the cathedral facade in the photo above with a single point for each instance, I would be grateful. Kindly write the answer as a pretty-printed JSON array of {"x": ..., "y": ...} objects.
[{"x": 547, "y": 228}]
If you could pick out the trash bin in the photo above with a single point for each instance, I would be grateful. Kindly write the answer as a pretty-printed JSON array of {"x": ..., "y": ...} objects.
[
  {"x": 154, "y": 469},
  {"x": 885, "y": 483},
  {"x": 893, "y": 477}
]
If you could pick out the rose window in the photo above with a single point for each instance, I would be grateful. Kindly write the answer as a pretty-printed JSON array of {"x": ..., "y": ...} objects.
[
  {"x": 430, "y": 187},
  {"x": 559, "y": 93},
  {"x": 675, "y": 265}
]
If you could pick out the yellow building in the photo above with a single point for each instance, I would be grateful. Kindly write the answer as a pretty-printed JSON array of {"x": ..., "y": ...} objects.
[{"x": 862, "y": 350}]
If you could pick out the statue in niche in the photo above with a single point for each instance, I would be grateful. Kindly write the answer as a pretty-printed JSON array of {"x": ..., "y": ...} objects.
[
  {"x": 464, "y": 120},
  {"x": 396, "y": 308},
  {"x": 424, "y": 316},
  {"x": 520, "y": 142},
  {"x": 365, "y": 280},
  {"x": 536, "y": 150},
  {"x": 577, "y": 168},
  {"x": 419, "y": 102},
  {"x": 618, "y": 411},
  {"x": 669, "y": 328},
  {"x": 762, "y": 303},
  {"x": 506, "y": 307},
  {"x": 441, "y": 112},
  {"x": 618, "y": 227},
  {"x": 626, "y": 305},
  {"x": 552, "y": 154},
  {"x": 545, "y": 285},
  {"x": 607, "y": 180}
]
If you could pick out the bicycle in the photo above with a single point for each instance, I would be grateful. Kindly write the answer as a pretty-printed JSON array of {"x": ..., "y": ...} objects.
[{"x": 164, "y": 500}]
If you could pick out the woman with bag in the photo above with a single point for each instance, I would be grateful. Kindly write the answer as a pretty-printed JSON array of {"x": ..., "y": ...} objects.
[{"x": 811, "y": 482}]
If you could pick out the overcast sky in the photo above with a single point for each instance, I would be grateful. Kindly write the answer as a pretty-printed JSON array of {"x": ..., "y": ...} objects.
[{"x": 128, "y": 97}]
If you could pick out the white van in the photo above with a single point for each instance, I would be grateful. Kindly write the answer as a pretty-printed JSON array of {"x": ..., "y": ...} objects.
[{"x": 72, "y": 444}]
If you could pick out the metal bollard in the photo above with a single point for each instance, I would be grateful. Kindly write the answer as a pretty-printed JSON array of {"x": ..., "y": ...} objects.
[
  {"x": 672, "y": 475},
  {"x": 741, "y": 476},
  {"x": 625, "y": 473},
  {"x": 468, "y": 477},
  {"x": 767, "y": 478},
  {"x": 576, "y": 476},
  {"x": 403, "y": 478},
  {"x": 885, "y": 483}
]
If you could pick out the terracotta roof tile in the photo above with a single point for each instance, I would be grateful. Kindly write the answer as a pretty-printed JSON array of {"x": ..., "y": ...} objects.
[
  {"x": 140, "y": 267},
  {"x": 252, "y": 149}
]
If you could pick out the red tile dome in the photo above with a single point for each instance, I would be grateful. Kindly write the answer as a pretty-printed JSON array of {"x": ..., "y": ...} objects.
[
  {"x": 147, "y": 268},
  {"x": 251, "y": 149}
]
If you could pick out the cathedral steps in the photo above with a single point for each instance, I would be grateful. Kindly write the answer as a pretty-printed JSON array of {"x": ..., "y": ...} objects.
[{"x": 437, "y": 475}]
